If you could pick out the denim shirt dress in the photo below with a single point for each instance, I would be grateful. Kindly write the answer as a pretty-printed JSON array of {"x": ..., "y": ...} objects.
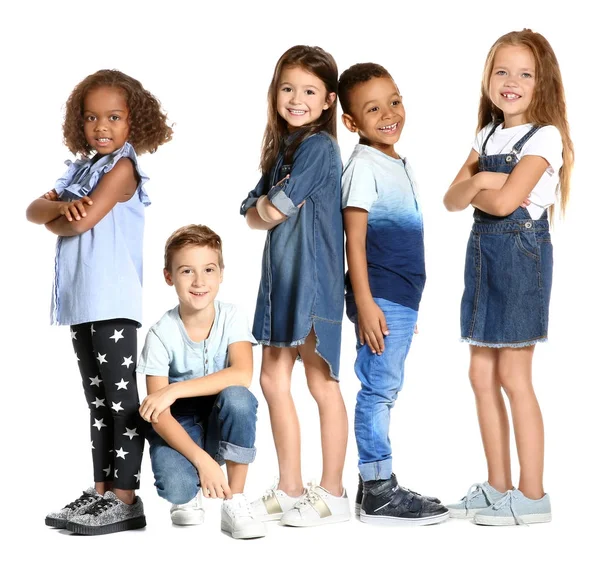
[
  {"x": 98, "y": 274},
  {"x": 302, "y": 279}
]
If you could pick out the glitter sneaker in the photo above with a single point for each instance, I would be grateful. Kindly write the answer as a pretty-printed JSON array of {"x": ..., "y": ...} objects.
[
  {"x": 59, "y": 519},
  {"x": 108, "y": 515}
]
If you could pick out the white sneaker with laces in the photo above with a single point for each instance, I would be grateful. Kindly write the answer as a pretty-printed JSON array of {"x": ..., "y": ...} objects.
[
  {"x": 237, "y": 518},
  {"x": 317, "y": 507},
  {"x": 189, "y": 513},
  {"x": 273, "y": 503}
]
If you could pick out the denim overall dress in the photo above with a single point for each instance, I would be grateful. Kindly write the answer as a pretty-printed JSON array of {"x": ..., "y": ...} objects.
[{"x": 508, "y": 270}]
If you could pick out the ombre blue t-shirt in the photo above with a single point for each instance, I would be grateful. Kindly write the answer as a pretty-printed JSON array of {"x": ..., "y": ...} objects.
[{"x": 385, "y": 187}]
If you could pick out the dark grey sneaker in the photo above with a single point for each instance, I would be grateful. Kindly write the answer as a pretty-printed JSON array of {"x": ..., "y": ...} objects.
[
  {"x": 109, "y": 515},
  {"x": 59, "y": 519},
  {"x": 359, "y": 495},
  {"x": 385, "y": 502}
]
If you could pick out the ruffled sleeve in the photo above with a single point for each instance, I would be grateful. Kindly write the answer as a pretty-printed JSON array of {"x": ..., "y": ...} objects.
[{"x": 82, "y": 176}]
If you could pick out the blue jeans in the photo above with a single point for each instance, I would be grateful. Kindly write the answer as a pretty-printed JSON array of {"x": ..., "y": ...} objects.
[
  {"x": 227, "y": 432},
  {"x": 381, "y": 379}
]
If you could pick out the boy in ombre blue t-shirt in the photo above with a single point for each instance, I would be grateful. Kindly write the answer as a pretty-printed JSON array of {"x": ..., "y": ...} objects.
[{"x": 385, "y": 280}]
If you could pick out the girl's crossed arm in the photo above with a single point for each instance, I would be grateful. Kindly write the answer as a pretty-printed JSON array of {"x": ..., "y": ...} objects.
[
  {"x": 118, "y": 185},
  {"x": 495, "y": 193}
]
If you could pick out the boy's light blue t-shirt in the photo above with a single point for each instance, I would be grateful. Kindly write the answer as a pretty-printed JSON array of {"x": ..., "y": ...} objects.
[
  {"x": 169, "y": 351},
  {"x": 386, "y": 188}
]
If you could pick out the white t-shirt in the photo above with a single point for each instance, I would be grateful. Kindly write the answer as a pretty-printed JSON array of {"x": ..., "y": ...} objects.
[{"x": 546, "y": 143}]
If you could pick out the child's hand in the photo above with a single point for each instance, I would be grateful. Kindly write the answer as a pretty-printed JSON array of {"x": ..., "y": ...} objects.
[
  {"x": 372, "y": 327},
  {"x": 526, "y": 202},
  {"x": 416, "y": 329},
  {"x": 154, "y": 404},
  {"x": 51, "y": 195},
  {"x": 75, "y": 209},
  {"x": 212, "y": 480}
]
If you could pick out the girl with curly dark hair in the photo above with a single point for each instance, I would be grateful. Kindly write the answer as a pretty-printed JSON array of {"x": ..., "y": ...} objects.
[{"x": 97, "y": 211}]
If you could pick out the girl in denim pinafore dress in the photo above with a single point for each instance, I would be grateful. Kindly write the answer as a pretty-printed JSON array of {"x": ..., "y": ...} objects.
[
  {"x": 97, "y": 210},
  {"x": 521, "y": 158},
  {"x": 300, "y": 301}
]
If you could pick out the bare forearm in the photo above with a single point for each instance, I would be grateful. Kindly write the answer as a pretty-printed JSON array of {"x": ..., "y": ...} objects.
[
  {"x": 177, "y": 437},
  {"x": 459, "y": 195},
  {"x": 254, "y": 221},
  {"x": 61, "y": 226},
  {"x": 358, "y": 271},
  {"x": 492, "y": 202},
  {"x": 42, "y": 211},
  {"x": 212, "y": 384}
]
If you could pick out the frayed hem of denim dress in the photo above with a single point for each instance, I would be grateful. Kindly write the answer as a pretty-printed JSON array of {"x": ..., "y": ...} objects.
[
  {"x": 523, "y": 344},
  {"x": 300, "y": 342}
]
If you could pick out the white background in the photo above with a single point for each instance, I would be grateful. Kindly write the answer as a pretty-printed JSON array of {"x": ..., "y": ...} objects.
[{"x": 211, "y": 67}]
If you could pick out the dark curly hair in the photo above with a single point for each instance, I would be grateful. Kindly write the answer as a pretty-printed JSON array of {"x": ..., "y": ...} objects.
[
  {"x": 355, "y": 75},
  {"x": 148, "y": 126}
]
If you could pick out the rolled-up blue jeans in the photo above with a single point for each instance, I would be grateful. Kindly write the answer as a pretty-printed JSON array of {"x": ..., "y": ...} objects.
[
  {"x": 227, "y": 432},
  {"x": 381, "y": 378}
]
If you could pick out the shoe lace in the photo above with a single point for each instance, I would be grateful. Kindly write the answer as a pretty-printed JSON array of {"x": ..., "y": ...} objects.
[
  {"x": 83, "y": 499},
  {"x": 474, "y": 491},
  {"x": 311, "y": 497},
  {"x": 101, "y": 506},
  {"x": 241, "y": 508},
  {"x": 509, "y": 500},
  {"x": 270, "y": 492}
]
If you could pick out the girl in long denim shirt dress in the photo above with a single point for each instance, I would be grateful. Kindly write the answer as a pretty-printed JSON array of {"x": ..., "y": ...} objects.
[
  {"x": 301, "y": 297},
  {"x": 521, "y": 157},
  {"x": 97, "y": 211}
]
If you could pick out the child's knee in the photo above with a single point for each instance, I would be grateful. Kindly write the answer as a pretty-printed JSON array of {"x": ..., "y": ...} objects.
[{"x": 238, "y": 401}]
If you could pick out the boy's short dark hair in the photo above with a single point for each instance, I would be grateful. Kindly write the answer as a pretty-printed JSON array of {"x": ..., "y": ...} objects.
[
  {"x": 355, "y": 75},
  {"x": 193, "y": 235}
]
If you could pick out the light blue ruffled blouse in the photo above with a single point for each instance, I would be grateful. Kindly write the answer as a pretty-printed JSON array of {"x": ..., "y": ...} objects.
[{"x": 98, "y": 274}]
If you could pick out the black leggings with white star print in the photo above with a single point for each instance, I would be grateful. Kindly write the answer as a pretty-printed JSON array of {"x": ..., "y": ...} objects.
[{"x": 106, "y": 352}]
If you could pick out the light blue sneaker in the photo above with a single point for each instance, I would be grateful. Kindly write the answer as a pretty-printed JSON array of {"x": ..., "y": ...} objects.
[
  {"x": 479, "y": 497},
  {"x": 515, "y": 508}
]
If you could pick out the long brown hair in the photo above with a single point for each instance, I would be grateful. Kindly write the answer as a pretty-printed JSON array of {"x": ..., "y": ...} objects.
[
  {"x": 548, "y": 105},
  {"x": 321, "y": 64}
]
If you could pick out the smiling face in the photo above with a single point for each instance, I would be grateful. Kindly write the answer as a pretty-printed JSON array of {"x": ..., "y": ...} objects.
[
  {"x": 196, "y": 276},
  {"x": 376, "y": 113},
  {"x": 512, "y": 83},
  {"x": 105, "y": 119},
  {"x": 301, "y": 97}
]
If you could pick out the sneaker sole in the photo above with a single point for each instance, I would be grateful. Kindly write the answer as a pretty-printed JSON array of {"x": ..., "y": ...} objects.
[
  {"x": 510, "y": 521},
  {"x": 374, "y": 519},
  {"x": 56, "y": 522},
  {"x": 456, "y": 513},
  {"x": 246, "y": 533},
  {"x": 130, "y": 524},
  {"x": 269, "y": 517},
  {"x": 187, "y": 519},
  {"x": 316, "y": 521}
]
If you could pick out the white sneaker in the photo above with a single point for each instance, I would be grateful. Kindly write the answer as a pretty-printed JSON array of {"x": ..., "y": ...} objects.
[
  {"x": 273, "y": 503},
  {"x": 316, "y": 507},
  {"x": 238, "y": 519},
  {"x": 189, "y": 513}
]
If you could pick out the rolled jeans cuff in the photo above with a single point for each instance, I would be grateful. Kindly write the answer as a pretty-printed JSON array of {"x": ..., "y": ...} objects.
[
  {"x": 381, "y": 470},
  {"x": 235, "y": 453}
]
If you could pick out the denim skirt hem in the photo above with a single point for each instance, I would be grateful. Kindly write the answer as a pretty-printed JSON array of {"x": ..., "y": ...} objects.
[{"x": 523, "y": 344}]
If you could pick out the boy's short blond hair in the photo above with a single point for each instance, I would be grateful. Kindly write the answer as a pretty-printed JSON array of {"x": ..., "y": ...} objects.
[{"x": 197, "y": 235}]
